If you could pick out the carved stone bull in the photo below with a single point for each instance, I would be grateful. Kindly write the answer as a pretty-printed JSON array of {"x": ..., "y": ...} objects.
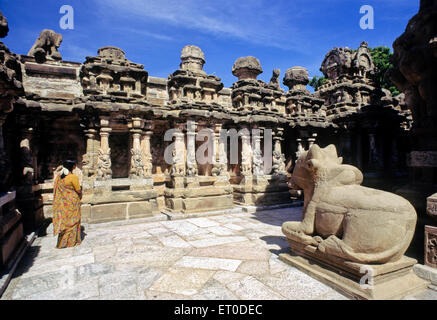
[{"x": 342, "y": 218}]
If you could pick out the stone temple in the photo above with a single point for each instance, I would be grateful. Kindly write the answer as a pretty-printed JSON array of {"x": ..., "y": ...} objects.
[{"x": 112, "y": 117}]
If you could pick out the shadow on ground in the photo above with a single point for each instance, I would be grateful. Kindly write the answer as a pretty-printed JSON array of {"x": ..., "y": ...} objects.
[{"x": 27, "y": 261}]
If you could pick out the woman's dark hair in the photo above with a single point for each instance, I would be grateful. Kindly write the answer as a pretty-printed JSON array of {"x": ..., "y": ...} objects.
[{"x": 68, "y": 164}]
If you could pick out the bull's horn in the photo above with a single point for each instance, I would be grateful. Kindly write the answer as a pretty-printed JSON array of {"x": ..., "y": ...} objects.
[{"x": 314, "y": 153}]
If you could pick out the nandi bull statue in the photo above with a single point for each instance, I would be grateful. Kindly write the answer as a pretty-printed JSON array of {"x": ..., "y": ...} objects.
[{"x": 342, "y": 218}]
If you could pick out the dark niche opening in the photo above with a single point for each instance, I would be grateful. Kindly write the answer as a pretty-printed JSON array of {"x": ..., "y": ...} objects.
[{"x": 120, "y": 154}]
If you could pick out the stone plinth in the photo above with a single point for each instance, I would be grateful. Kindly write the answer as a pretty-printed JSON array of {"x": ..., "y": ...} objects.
[
  {"x": 391, "y": 281},
  {"x": 205, "y": 196},
  {"x": 270, "y": 190}
]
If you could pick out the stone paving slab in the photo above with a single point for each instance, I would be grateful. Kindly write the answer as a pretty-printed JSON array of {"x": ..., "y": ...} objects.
[{"x": 229, "y": 256}]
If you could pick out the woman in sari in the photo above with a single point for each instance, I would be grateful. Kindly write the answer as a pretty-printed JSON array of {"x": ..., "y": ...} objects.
[{"x": 66, "y": 207}]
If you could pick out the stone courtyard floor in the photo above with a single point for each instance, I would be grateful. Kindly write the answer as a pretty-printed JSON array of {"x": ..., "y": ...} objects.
[{"x": 229, "y": 256}]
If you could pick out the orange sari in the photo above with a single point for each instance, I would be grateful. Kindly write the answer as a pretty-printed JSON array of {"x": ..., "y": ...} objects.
[{"x": 66, "y": 214}]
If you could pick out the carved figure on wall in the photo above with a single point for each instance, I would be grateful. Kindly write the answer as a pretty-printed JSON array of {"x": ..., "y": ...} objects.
[
  {"x": 104, "y": 164},
  {"x": 278, "y": 163},
  {"x": 274, "y": 81},
  {"x": 137, "y": 166}
]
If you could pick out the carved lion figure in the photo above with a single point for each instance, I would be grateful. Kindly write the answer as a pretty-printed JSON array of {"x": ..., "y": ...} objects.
[
  {"x": 274, "y": 80},
  {"x": 342, "y": 218},
  {"x": 46, "y": 46}
]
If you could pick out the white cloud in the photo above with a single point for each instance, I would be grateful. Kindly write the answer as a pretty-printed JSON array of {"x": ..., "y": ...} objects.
[{"x": 257, "y": 21}]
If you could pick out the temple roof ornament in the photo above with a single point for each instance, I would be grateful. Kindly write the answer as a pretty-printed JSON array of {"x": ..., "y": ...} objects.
[
  {"x": 192, "y": 59},
  {"x": 303, "y": 108},
  {"x": 247, "y": 68},
  {"x": 343, "y": 62},
  {"x": 111, "y": 74},
  {"x": 190, "y": 84}
]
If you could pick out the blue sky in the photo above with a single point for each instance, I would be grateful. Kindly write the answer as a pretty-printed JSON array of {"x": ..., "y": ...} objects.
[{"x": 281, "y": 34}]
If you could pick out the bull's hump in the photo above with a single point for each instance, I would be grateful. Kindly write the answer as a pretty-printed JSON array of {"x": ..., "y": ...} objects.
[{"x": 359, "y": 197}]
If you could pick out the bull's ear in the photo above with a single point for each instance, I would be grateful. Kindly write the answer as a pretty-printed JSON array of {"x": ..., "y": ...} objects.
[
  {"x": 312, "y": 164},
  {"x": 331, "y": 151},
  {"x": 315, "y": 152},
  {"x": 340, "y": 160}
]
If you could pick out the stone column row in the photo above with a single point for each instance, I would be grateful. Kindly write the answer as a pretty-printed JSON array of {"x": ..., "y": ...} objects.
[{"x": 98, "y": 164}]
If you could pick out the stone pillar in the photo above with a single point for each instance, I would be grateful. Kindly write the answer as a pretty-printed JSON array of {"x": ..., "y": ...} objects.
[
  {"x": 278, "y": 156},
  {"x": 137, "y": 165},
  {"x": 146, "y": 148},
  {"x": 178, "y": 167},
  {"x": 246, "y": 153},
  {"x": 312, "y": 140},
  {"x": 191, "y": 149},
  {"x": 27, "y": 196},
  {"x": 300, "y": 148},
  {"x": 89, "y": 159},
  {"x": 26, "y": 156},
  {"x": 220, "y": 156},
  {"x": 257, "y": 159},
  {"x": 136, "y": 170},
  {"x": 104, "y": 171}
]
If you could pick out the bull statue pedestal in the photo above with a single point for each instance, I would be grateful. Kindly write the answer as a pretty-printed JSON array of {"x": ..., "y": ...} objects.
[{"x": 351, "y": 237}]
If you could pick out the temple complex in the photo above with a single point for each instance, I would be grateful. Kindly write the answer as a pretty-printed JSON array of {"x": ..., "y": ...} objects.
[
  {"x": 137, "y": 138},
  {"x": 357, "y": 164}
]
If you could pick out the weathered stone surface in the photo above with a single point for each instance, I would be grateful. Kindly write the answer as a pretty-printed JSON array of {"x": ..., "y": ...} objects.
[
  {"x": 182, "y": 281},
  {"x": 247, "y": 68},
  {"x": 192, "y": 58},
  {"x": 213, "y": 290},
  {"x": 296, "y": 76},
  {"x": 125, "y": 270},
  {"x": 208, "y": 263},
  {"x": 251, "y": 288},
  {"x": 216, "y": 241}
]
